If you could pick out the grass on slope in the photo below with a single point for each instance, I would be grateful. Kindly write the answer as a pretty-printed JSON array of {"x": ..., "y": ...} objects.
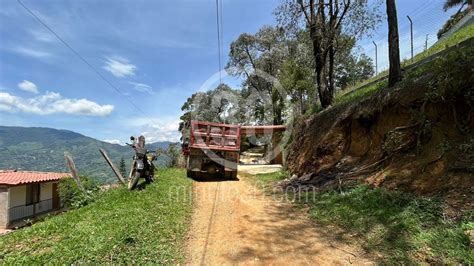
[
  {"x": 143, "y": 226},
  {"x": 392, "y": 226},
  {"x": 458, "y": 37},
  {"x": 453, "y": 61},
  {"x": 361, "y": 93}
]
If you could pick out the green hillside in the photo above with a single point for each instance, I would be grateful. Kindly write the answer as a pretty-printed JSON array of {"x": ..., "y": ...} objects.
[
  {"x": 42, "y": 149},
  {"x": 139, "y": 227}
]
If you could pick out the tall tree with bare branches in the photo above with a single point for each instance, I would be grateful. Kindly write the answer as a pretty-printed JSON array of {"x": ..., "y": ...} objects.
[{"x": 326, "y": 20}]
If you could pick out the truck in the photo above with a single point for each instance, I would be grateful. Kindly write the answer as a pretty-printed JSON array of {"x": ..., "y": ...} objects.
[{"x": 212, "y": 149}]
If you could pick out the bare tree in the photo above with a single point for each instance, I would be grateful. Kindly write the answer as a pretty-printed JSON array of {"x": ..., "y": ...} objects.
[
  {"x": 324, "y": 20},
  {"x": 395, "y": 72}
]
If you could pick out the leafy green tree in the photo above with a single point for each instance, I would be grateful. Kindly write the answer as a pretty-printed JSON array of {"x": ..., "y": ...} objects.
[
  {"x": 220, "y": 105},
  {"x": 351, "y": 68},
  {"x": 257, "y": 58},
  {"x": 354, "y": 70},
  {"x": 297, "y": 75},
  {"x": 123, "y": 167},
  {"x": 296, "y": 79},
  {"x": 173, "y": 155},
  {"x": 325, "y": 21},
  {"x": 282, "y": 55}
]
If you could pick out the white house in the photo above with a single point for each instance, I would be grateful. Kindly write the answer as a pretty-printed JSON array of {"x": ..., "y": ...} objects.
[{"x": 27, "y": 194}]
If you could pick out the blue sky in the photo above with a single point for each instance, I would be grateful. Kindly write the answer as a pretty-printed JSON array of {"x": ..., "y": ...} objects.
[{"x": 157, "y": 53}]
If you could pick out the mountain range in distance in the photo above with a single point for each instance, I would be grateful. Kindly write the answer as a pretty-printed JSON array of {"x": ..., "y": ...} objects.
[{"x": 42, "y": 149}]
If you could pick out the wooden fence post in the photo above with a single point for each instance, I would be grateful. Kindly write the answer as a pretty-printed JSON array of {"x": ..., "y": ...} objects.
[
  {"x": 72, "y": 169},
  {"x": 111, "y": 164}
]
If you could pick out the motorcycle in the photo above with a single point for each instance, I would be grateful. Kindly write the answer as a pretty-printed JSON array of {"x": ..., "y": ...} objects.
[{"x": 142, "y": 165}]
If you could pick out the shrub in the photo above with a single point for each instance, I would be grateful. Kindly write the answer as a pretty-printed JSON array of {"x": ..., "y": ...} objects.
[
  {"x": 174, "y": 157},
  {"x": 71, "y": 196}
]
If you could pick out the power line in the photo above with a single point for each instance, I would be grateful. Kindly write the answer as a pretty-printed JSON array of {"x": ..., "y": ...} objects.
[
  {"x": 79, "y": 56},
  {"x": 222, "y": 34},
  {"x": 219, "y": 40},
  {"x": 417, "y": 13},
  {"x": 83, "y": 60},
  {"x": 424, "y": 26}
]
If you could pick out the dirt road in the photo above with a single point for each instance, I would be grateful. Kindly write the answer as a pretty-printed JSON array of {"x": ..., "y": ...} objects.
[{"x": 235, "y": 223}]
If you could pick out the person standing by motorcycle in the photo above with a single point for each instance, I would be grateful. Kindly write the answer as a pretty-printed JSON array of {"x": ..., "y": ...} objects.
[
  {"x": 149, "y": 158},
  {"x": 141, "y": 142},
  {"x": 142, "y": 165}
]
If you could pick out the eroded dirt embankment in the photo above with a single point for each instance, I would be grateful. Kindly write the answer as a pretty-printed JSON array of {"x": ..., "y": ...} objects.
[{"x": 417, "y": 137}]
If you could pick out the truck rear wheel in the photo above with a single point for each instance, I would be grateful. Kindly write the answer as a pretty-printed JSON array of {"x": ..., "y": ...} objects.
[
  {"x": 193, "y": 174},
  {"x": 230, "y": 175}
]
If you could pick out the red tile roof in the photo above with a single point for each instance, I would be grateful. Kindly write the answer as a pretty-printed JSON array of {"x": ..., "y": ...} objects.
[{"x": 13, "y": 177}]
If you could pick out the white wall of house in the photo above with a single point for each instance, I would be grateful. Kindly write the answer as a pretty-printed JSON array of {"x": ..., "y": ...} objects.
[
  {"x": 17, "y": 196},
  {"x": 17, "y": 207},
  {"x": 46, "y": 191},
  {"x": 3, "y": 206}
]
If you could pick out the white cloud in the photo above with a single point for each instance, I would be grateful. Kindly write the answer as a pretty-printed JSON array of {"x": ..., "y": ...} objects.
[
  {"x": 141, "y": 87},
  {"x": 162, "y": 129},
  {"x": 28, "y": 86},
  {"x": 52, "y": 103},
  {"x": 119, "y": 67},
  {"x": 32, "y": 52},
  {"x": 113, "y": 141}
]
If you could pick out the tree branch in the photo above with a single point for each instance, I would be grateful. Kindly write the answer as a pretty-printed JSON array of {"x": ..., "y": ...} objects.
[
  {"x": 303, "y": 9},
  {"x": 344, "y": 11}
]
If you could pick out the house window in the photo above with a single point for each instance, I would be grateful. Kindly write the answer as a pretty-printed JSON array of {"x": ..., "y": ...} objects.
[{"x": 32, "y": 193}]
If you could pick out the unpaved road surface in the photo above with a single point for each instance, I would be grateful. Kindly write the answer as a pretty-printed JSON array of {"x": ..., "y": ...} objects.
[{"x": 236, "y": 223}]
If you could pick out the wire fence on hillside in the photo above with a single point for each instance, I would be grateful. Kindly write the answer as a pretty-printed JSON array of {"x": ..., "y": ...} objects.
[{"x": 427, "y": 17}]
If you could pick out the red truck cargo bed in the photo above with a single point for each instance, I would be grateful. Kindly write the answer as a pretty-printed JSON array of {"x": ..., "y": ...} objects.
[{"x": 206, "y": 135}]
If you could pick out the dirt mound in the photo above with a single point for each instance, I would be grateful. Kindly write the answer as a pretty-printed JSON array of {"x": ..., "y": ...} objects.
[{"x": 417, "y": 137}]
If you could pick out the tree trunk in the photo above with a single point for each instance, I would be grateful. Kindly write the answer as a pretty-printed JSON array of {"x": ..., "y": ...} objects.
[
  {"x": 302, "y": 106},
  {"x": 332, "y": 54},
  {"x": 325, "y": 95},
  {"x": 395, "y": 73},
  {"x": 320, "y": 63},
  {"x": 277, "y": 111}
]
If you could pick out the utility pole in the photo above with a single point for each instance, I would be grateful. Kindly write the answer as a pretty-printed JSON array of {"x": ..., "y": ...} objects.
[
  {"x": 411, "y": 33},
  {"x": 376, "y": 58}
]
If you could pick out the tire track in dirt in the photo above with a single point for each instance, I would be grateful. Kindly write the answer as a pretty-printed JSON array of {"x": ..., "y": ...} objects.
[
  {"x": 211, "y": 219},
  {"x": 236, "y": 223}
]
